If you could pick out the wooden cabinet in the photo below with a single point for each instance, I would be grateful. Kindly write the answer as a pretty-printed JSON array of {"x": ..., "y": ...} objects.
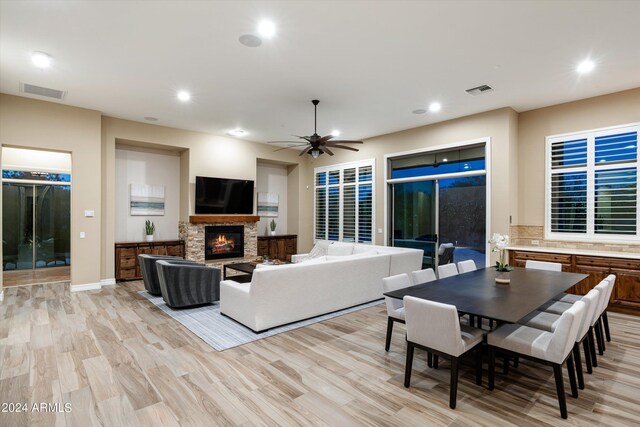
[
  {"x": 278, "y": 247},
  {"x": 626, "y": 293},
  {"x": 127, "y": 267}
]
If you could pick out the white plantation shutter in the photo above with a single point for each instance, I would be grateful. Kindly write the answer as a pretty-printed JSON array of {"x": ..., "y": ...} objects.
[
  {"x": 344, "y": 202},
  {"x": 592, "y": 191}
]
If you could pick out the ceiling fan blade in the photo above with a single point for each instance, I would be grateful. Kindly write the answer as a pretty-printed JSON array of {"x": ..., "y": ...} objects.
[
  {"x": 324, "y": 139},
  {"x": 286, "y": 142},
  {"x": 345, "y": 141},
  {"x": 344, "y": 147},
  {"x": 303, "y": 152},
  {"x": 306, "y": 138},
  {"x": 282, "y": 148},
  {"x": 326, "y": 150}
]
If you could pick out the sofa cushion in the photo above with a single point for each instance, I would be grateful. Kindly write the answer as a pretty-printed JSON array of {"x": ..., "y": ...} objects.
[
  {"x": 319, "y": 249},
  {"x": 364, "y": 249},
  {"x": 340, "y": 249}
]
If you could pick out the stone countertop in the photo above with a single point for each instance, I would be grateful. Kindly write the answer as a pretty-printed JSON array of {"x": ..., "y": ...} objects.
[{"x": 572, "y": 251}]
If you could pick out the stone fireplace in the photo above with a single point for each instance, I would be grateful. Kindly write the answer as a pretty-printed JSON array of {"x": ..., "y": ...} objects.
[
  {"x": 194, "y": 231},
  {"x": 223, "y": 241}
]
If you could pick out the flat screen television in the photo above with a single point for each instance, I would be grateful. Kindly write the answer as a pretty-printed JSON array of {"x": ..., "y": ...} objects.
[{"x": 223, "y": 196}]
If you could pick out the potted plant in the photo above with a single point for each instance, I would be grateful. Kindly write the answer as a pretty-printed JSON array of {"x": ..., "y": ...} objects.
[
  {"x": 272, "y": 226},
  {"x": 500, "y": 243},
  {"x": 149, "y": 229}
]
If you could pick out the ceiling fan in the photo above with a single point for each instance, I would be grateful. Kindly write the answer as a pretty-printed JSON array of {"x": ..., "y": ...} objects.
[{"x": 318, "y": 144}]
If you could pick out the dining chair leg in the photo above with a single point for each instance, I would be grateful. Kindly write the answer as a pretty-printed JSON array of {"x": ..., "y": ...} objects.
[
  {"x": 453, "y": 392},
  {"x": 472, "y": 320},
  {"x": 562, "y": 401},
  {"x": 592, "y": 348},
  {"x": 505, "y": 365},
  {"x": 492, "y": 368},
  {"x": 435, "y": 361},
  {"x": 479, "y": 364},
  {"x": 587, "y": 354},
  {"x": 516, "y": 361},
  {"x": 605, "y": 320},
  {"x": 491, "y": 324},
  {"x": 571, "y": 370},
  {"x": 409, "y": 364},
  {"x": 602, "y": 340},
  {"x": 389, "y": 332},
  {"x": 598, "y": 332},
  {"x": 578, "y": 362},
  {"x": 430, "y": 360}
]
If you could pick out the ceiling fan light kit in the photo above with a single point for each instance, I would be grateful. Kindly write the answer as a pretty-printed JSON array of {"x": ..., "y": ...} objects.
[{"x": 316, "y": 144}]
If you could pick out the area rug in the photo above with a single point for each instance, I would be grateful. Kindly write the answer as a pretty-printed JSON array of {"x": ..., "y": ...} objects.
[{"x": 222, "y": 333}]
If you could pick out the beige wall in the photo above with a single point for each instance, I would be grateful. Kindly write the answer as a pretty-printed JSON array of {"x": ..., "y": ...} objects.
[
  {"x": 27, "y": 123},
  {"x": 498, "y": 125},
  {"x": 533, "y": 126},
  {"x": 206, "y": 155}
]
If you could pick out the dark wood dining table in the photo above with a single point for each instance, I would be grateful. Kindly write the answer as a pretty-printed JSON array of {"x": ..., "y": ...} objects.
[{"x": 477, "y": 292}]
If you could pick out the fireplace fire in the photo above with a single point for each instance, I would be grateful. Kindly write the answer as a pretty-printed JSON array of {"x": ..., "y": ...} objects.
[{"x": 224, "y": 241}]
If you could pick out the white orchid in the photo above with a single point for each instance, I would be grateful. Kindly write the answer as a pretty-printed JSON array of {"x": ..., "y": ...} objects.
[{"x": 500, "y": 243}]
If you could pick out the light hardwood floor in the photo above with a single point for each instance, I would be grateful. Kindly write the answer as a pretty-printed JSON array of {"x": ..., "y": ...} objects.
[
  {"x": 120, "y": 361},
  {"x": 39, "y": 275}
]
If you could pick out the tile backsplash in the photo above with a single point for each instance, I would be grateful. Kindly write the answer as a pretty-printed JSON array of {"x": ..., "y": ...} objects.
[{"x": 527, "y": 235}]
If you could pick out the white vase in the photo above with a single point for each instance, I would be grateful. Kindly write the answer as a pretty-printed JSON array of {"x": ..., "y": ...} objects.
[
  {"x": 149, "y": 237},
  {"x": 273, "y": 233}
]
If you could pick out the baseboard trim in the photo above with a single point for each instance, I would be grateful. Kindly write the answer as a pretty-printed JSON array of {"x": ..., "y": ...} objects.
[
  {"x": 1, "y": 295},
  {"x": 86, "y": 287},
  {"x": 107, "y": 282}
]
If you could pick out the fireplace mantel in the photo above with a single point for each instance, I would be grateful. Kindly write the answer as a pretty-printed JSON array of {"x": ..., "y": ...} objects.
[{"x": 215, "y": 219}]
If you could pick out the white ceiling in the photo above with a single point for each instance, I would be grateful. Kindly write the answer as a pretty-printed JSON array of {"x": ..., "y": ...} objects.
[{"x": 370, "y": 63}]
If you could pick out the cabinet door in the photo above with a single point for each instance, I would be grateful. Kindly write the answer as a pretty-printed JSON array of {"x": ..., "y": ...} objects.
[
  {"x": 596, "y": 274},
  {"x": 159, "y": 249},
  {"x": 175, "y": 250},
  {"x": 277, "y": 249},
  {"x": 627, "y": 287},
  {"x": 263, "y": 247}
]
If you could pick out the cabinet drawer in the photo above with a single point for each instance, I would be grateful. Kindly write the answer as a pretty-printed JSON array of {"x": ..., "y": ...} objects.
[
  {"x": 159, "y": 250},
  {"x": 129, "y": 262},
  {"x": 126, "y": 252},
  {"x": 539, "y": 256},
  {"x": 127, "y": 273},
  {"x": 631, "y": 264}
]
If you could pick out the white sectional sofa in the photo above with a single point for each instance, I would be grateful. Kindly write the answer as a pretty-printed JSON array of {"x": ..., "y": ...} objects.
[{"x": 315, "y": 284}]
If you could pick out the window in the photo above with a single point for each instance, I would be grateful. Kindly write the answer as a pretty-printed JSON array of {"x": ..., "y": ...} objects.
[
  {"x": 592, "y": 185},
  {"x": 344, "y": 202}
]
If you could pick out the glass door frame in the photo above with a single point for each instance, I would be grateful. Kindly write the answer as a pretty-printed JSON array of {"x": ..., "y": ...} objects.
[
  {"x": 388, "y": 195},
  {"x": 34, "y": 184}
]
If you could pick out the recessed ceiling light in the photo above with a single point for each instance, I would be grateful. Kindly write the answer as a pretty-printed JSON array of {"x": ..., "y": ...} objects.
[
  {"x": 335, "y": 133},
  {"x": 249, "y": 40},
  {"x": 585, "y": 66},
  {"x": 41, "y": 59},
  {"x": 266, "y": 29},
  {"x": 434, "y": 107},
  {"x": 419, "y": 111},
  {"x": 237, "y": 132},
  {"x": 151, "y": 119},
  {"x": 184, "y": 96}
]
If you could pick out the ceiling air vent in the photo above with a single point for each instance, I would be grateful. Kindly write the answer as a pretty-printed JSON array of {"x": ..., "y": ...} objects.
[
  {"x": 42, "y": 91},
  {"x": 475, "y": 91}
]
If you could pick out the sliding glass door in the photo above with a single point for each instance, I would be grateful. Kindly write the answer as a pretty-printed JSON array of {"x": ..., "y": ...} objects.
[
  {"x": 36, "y": 225},
  {"x": 414, "y": 225},
  {"x": 438, "y": 199}
]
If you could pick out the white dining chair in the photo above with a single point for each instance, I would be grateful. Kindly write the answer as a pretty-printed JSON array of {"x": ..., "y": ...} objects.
[
  {"x": 466, "y": 266},
  {"x": 548, "y": 322},
  {"x": 543, "y": 265},
  {"x": 423, "y": 276},
  {"x": 552, "y": 348},
  {"x": 447, "y": 270},
  {"x": 395, "y": 307},
  {"x": 445, "y": 337}
]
